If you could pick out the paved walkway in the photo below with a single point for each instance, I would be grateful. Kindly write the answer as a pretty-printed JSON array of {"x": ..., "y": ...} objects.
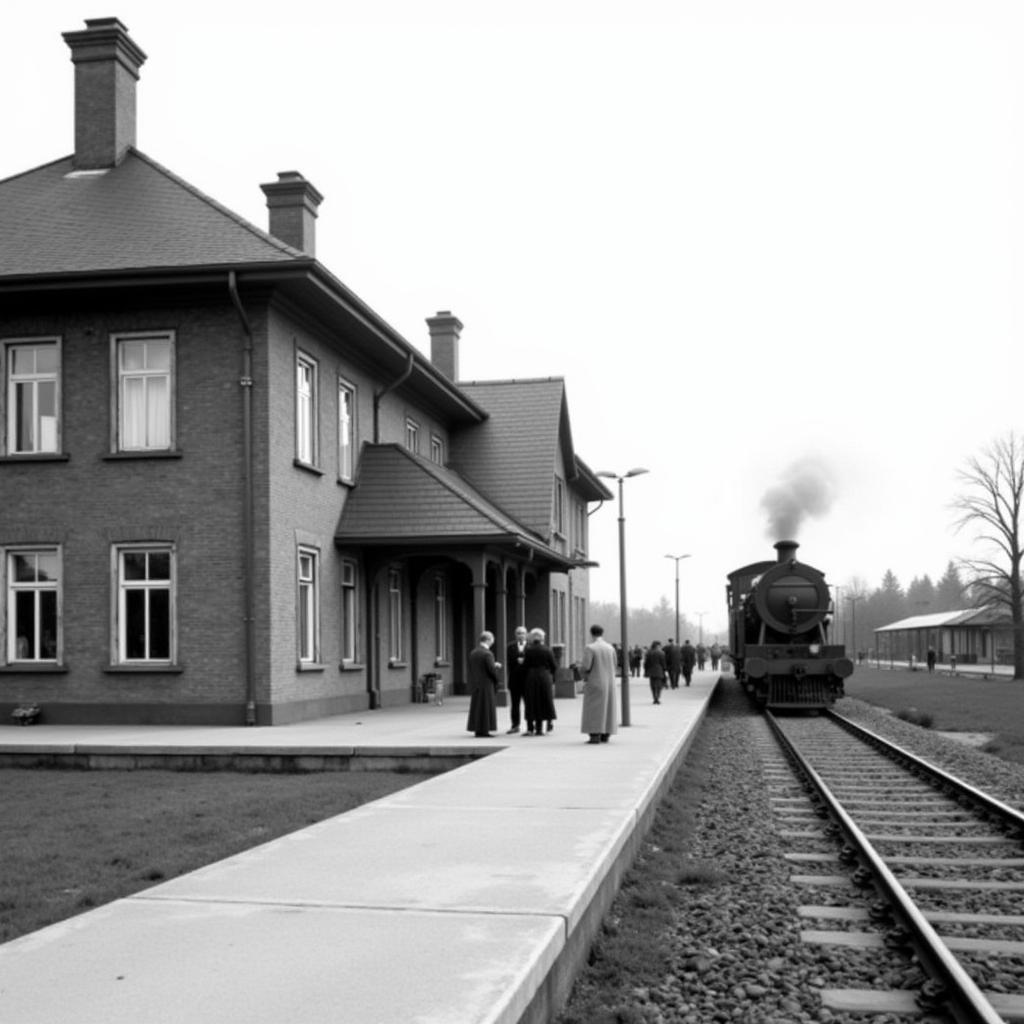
[{"x": 471, "y": 897}]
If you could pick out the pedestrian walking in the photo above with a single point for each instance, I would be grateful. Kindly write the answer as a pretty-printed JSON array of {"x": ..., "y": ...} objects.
[
  {"x": 673, "y": 662},
  {"x": 689, "y": 656},
  {"x": 716, "y": 656},
  {"x": 654, "y": 669},
  {"x": 515, "y": 672}
]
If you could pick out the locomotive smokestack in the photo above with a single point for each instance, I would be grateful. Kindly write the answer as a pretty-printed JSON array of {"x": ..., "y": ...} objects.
[{"x": 786, "y": 549}]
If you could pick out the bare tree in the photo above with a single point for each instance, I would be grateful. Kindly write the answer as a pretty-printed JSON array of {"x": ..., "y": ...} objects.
[{"x": 992, "y": 501}]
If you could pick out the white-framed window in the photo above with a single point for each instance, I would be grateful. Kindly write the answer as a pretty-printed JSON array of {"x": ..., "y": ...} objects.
[
  {"x": 346, "y": 431},
  {"x": 305, "y": 409},
  {"x": 349, "y": 606},
  {"x": 412, "y": 436},
  {"x": 145, "y": 614},
  {"x": 557, "y": 616},
  {"x": 33, "y": 396},
  {"x": 436, "y": 449},
  {"x": 145, "y": 391},
  {"x": 34, "y": 605},
  {"x": 580, "y": 512},
  {"x": 309, "y": 605},
  {"x": 559, "y": 509},
  {"x": 440, "y": 618},
  {"x": 396, "y": 642}
]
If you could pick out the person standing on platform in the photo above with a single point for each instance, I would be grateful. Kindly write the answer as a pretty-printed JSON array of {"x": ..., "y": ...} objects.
[
  {"x": 540, "y": 666},
  {"x": 673, "y": 662},
  {"x": 716, "y": 656},
  {"x": 483, "y": 682},
  {"x": 515, "y": 672},
  {"x": 598, "y": 668},
  {"x": 654, "y": 669},
  {"x": 689, "y": 656}
]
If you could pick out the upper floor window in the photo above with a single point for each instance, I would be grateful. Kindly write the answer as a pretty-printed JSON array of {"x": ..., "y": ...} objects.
[
  {"x": 309, "y": 605},
  {"x": 305, "y": 409},
  {"x": 346, "y": 430},
  {"x": 580, "y": 511},
  {"x": 145, "y": 603},
  {"x": 436, "y": 449},
  {"x": 559, "y": 510},
  {"x": 145, "y": 391},
  {"x": 33, "y": 605},
  {"x": 412, "y": 436},
  {"x": 33, "y": 397}
]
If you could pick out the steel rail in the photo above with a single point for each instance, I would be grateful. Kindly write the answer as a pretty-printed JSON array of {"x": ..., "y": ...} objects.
[
  {"x": 961, "y": 996},
  {"x": 1009, "y": 815}
]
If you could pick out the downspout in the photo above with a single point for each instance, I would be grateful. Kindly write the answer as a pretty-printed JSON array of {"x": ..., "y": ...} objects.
[
  {"x": 378, "y": 395},
  {"x": 248, "y": 540}
]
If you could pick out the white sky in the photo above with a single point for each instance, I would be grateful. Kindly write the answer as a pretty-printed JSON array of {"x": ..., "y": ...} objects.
[{"x": 746, "y": 233}]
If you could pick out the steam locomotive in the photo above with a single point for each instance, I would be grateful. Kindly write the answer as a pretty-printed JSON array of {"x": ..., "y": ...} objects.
[{"x": 779, "y": 614}]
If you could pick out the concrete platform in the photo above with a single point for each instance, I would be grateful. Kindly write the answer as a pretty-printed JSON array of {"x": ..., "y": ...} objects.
[{"x": 472, "y": 897}]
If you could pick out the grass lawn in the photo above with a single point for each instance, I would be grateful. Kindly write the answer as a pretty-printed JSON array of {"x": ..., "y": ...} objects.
[
  {"x": 72, "y": 840},
  {"x": 956, "y": 703}
]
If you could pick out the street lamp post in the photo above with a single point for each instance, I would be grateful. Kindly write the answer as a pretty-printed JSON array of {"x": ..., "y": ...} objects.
[
  {"x": 622, "y": 587},
  {"x": 700, "y": 626},
  {"x": 677, "y": 559}
]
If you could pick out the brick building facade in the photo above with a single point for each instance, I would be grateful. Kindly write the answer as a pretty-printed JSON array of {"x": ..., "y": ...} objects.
[{"x": 230, "y": 492}]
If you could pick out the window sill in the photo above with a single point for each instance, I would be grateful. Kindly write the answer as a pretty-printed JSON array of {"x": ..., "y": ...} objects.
[
  {"x": 36, "y": 457},
  {"x": 346, "y": 481},
  {"x": 351, "y": 666},
  {"x": 310, "y": 666},
  {"x": 38, "y": 668},
  {"x": 127, "y": 456},
  {"x": 308, "y": 467},
  {"x": 442, "y": 663},
  {"x": 144, "y": 669},
  {"x": 397, "y": 664}
]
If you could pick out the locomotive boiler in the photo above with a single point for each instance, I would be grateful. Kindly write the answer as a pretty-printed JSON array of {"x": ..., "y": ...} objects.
[{"x": 779, "y": 617}]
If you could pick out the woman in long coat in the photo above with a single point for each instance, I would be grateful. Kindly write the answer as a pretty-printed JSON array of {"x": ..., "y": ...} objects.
[
  {"x": 539, "y": 667},
  {"x": 483, "y": 682}
]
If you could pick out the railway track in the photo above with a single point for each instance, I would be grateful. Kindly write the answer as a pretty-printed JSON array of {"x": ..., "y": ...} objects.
[{"x": 936, "y": 869}]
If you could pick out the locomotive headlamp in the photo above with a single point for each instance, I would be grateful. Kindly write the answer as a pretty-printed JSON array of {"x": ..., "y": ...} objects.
[{"x": 815, "y": 649}]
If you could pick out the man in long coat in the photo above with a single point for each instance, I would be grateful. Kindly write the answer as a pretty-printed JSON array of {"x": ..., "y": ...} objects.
[
  {"x": 673, "y": 662},
  {"x": 483, "y": 682},
  {"x": 689, "y": 656},
  {"x": 599, "y": 664}
]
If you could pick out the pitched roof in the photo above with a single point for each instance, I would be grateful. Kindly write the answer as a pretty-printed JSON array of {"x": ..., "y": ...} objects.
[
  {"x": 134, "y": 216},
  {"x": 987, "y": 616},
  {"x": 510, "y": 457},
  {"x": 402, "y": 498}
]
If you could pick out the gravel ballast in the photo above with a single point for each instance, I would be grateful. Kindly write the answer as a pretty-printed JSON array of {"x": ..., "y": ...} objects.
[{"x": 706, "y": 925}]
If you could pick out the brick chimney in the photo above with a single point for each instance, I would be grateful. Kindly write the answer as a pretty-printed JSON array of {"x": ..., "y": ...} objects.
[
  {"x": 293, "y": 202},
  {"x": 444, "y": 343},
  {"x": 107, "y": 64}
]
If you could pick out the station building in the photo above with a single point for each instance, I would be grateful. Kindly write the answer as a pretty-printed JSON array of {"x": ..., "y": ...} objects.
[
  {"x": 975, "y": 636},
  {"x": 231, "y": 492}
]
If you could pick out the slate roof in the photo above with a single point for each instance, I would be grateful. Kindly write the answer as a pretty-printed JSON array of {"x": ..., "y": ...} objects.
[
  {"x": 401, "y": 499},
  {"x": 511, "y": 456},
  {"x": 135, "y": 216}
]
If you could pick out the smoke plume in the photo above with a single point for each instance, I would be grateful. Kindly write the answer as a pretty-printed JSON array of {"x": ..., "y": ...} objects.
[{"x": 805, "y": 490}]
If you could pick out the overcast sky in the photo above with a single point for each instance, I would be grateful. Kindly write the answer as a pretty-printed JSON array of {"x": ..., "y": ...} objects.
[{"x": 749, "y": 235}]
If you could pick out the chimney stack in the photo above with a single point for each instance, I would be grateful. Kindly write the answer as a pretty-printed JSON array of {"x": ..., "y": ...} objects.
[
  {"x": 293, "y": 202},
  {"x": 107, "y": 64},
  {"x": 444, "y": 343}
]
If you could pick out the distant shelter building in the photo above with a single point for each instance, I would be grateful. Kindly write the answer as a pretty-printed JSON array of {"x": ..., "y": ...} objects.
[
  {"x": 975, "y": 636},
  {"x": 231, "y": 492}
]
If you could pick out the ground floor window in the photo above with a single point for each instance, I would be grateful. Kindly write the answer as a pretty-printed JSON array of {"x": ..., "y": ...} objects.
[
  {"x": 349, "y": 605},
  {"x": 440, "y": 618},
  {"x": 33, "y": 605},
  {"x": 396, "y": 643},
  {"x": 308, "y": 610},
  {"x": 145, "y": 603}
]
